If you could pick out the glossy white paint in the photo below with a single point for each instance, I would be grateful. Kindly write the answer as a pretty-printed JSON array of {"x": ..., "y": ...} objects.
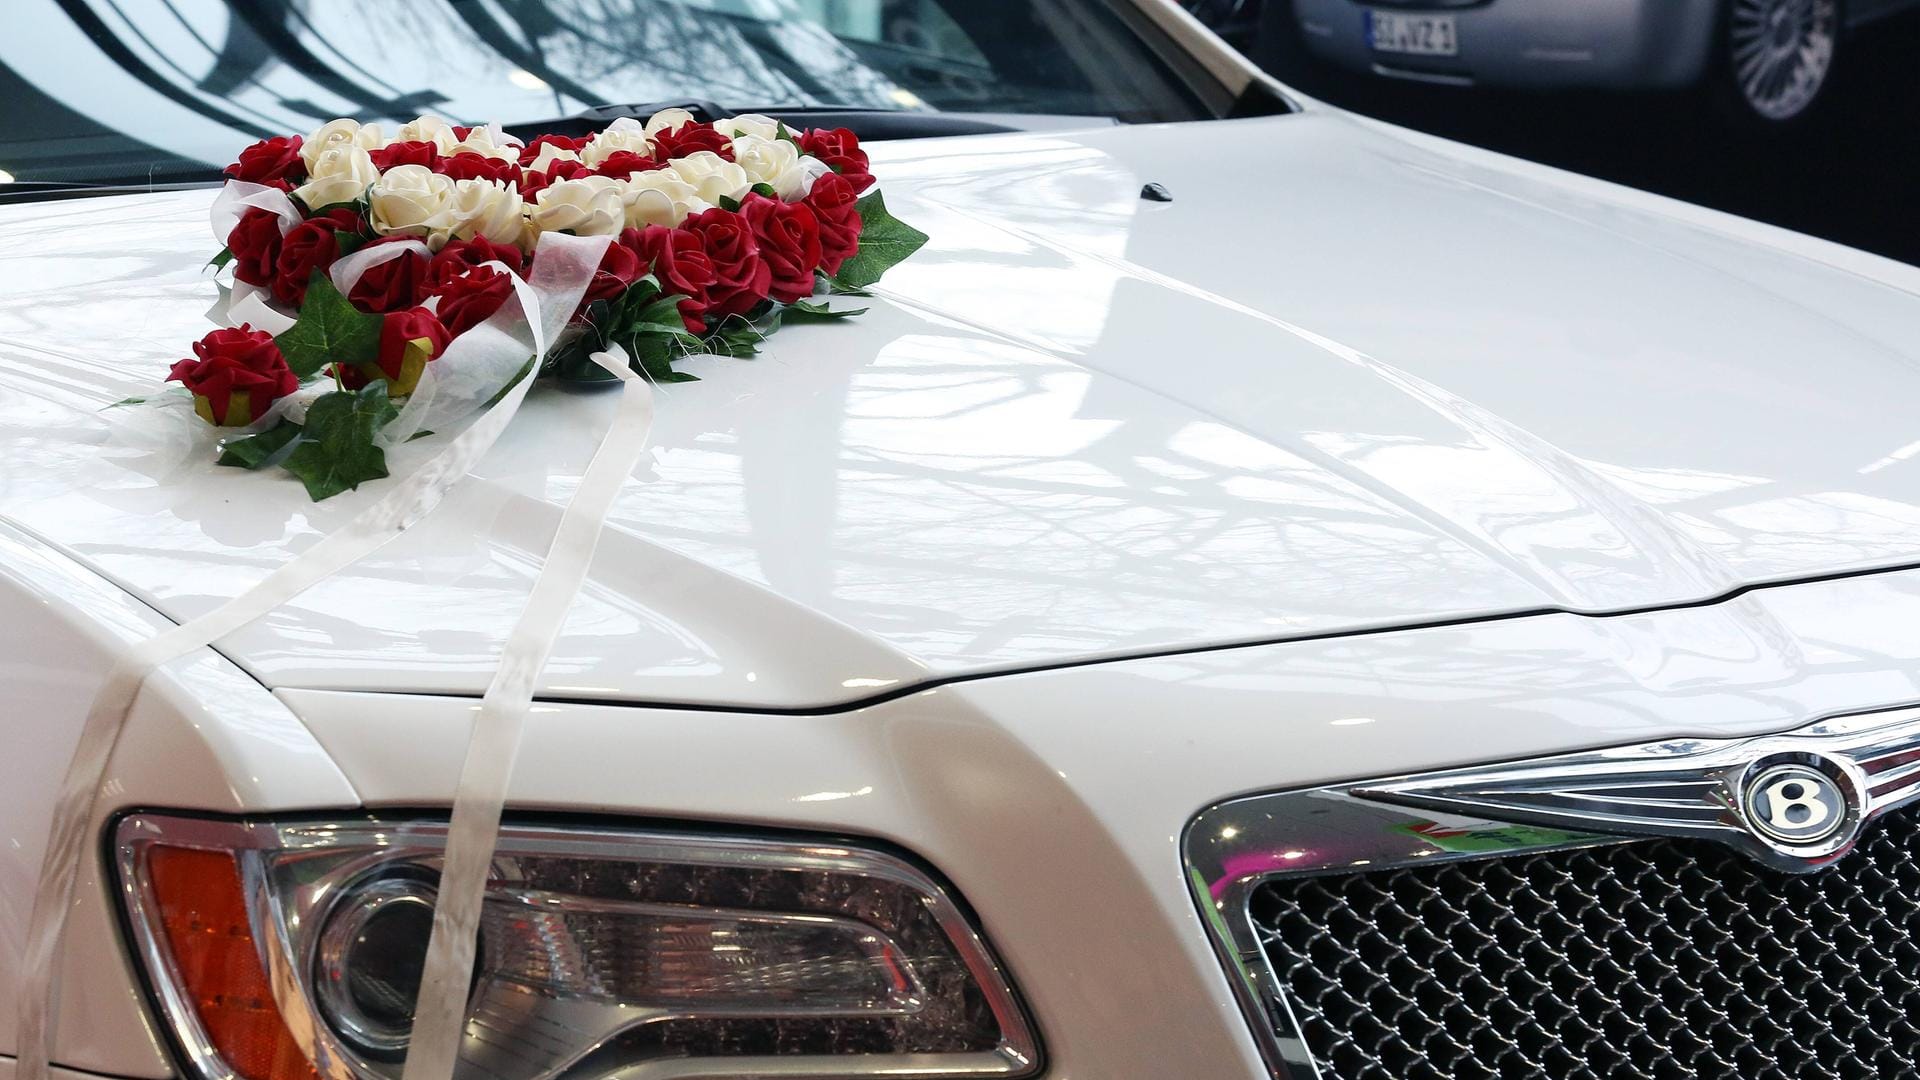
[
  {"x": 1350, "y": 379},
  {"x": 203, "y": 735},
  {"x": 1409, "y": 384},
  {"x": 1053, "y": 800}
]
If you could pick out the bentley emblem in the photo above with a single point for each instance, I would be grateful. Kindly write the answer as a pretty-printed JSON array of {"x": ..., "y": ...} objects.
[
  {"x": 1795, "y": 801},
  {"x": 1795, "y": 804}
]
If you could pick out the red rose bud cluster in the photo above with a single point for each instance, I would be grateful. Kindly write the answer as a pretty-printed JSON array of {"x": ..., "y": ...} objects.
[
  {"x": 726, "y": 218},
  {"x": 235, "y": 376},
  {"x": 408, "y": 341}
]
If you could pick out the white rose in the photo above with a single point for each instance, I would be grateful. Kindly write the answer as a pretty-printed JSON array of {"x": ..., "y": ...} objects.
[
  {"x": 623, "y": 134},
  {"x": 335, "y": 134},
  {"x": 774, "y": 162},
  {"x": 660, "y": 197},
  {"x": 712, "y": 177},
  {"x": 339, "y": 175},
  {"x": 411, "y": 200},
  {"x": 589, "y": 206},
  {"x": 486, "y": 208},
  {"x": 428, "y": 129},
  {"x": 765, "y": 127},
  {"x": 668, "y": 120},
  {"x": 481, "y": 141},
  {"x": 549, "y": 154}
]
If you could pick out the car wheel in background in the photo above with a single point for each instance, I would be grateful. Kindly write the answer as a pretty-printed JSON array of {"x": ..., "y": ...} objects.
[{"x": 1776, "y": 59}]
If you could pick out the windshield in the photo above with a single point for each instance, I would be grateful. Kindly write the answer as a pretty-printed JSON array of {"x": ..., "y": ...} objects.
[{"x": 150, "y": 91}]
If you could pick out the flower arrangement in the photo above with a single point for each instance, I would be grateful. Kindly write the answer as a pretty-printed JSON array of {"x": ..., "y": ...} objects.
[{"x": 358, "y": 259}]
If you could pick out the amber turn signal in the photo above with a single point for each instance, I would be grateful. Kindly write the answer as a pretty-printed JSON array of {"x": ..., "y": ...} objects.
[{"x": 203, "y": 913}]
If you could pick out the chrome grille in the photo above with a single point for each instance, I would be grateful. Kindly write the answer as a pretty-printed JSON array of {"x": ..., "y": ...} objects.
[{"x": 1663, "y": 959}]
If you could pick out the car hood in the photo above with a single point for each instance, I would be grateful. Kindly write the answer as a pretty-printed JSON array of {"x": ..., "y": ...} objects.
[{"x": 1347, "y": 378}]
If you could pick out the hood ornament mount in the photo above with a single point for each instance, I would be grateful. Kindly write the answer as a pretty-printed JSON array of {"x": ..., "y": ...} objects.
[{"x": 1795, "y": 801}]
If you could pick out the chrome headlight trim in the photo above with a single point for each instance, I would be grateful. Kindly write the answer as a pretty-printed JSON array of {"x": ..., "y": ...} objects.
[
  {"x": 289, "y": 956},
  {"x": 1702, "y": 789}
]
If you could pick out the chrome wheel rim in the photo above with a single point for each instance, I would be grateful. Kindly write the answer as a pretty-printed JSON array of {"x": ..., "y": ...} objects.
[{"x": 1782, "y": 52}]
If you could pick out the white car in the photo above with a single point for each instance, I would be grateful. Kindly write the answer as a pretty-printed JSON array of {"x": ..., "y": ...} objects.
[{"x": 1267, "y": 597}]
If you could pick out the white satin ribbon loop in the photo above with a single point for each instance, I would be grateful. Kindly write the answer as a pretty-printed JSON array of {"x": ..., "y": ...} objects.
[
  {"x": 248, "y": 306},
  {"x": 238, "y": 197},
  {"x": 347, "y": 272},
  {"x": 471, "y": 373}
]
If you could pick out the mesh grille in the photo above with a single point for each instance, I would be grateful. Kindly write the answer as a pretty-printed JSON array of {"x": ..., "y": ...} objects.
[{"x": 1657, "y": 959}]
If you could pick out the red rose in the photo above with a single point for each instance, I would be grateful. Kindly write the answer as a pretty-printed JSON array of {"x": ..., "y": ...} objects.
[
  {"x": 533, "y": 183},
  {"x": 408, "y": 341},
  {"x": 237, "y": 375},
  {"x": 460, "y": 132},
  {"x": 405, "y": 153},
  {"x": 619, "y": 267},
  {"x": 309, "y": 246},
  {"x": 255, "y": 243},
  {"x": 532, "y": 150},
  {"x": 470, "y": 166},
  {"x": 472, "y": 298},
  {"x": 834, "y": 204},
  {"x": 789, "y": 238},
  {"x": 624, "y": 163},
  {"x": 840, "y": 149},
  {"x": 270, "y": 161},
  {"x": 460, "y": 256},
  {"x": 394, "y": 285},
  {"x": 676, "y": 258},
  {"x": 740, "y": 277},
  {"x": 689, "y": 139}
]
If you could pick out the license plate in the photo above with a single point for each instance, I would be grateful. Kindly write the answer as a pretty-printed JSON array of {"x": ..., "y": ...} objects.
[{"x": 1412, "y": 35}]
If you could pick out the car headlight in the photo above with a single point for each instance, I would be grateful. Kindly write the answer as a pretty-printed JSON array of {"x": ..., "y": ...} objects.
[{"x": 294, "y": 950}]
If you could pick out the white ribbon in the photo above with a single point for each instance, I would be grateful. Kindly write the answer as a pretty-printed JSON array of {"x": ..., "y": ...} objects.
[
  {"x": 238, "y": 197},
  {"x": 347, "y": 272},
  {"x": 440, "y": 1014},
  {"x": 248, "y": 306},
  {"x": 496, "y": 347},
  {"x": 246, "y": 303}
]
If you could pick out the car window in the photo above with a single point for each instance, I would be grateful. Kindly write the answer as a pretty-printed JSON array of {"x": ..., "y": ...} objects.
[{"x": 117, "y": 91}]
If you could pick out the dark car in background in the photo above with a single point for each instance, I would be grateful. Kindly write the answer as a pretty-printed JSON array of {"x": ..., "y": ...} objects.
[
  {"x": 1796, "y": 112},
  {"x": 1768, "y": 61}
]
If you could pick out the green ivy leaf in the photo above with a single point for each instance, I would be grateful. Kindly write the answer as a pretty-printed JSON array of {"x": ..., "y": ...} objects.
[
  {"x": 223, "y": 258},
  {"x": 730, "y": 204},
  {"x": 765, "y": 191},
  {"x": 885, "y": 241},
  {"x": 330, "y": 330},
  {"x": 259, "y": 451},
  {"x": 337, "y": 452},
  {"x": 805, "y": 311},
  {"x": 641, "y": 320},
  {"x": 654, "y": 354},
  {"x": 741, "y": 338}
]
